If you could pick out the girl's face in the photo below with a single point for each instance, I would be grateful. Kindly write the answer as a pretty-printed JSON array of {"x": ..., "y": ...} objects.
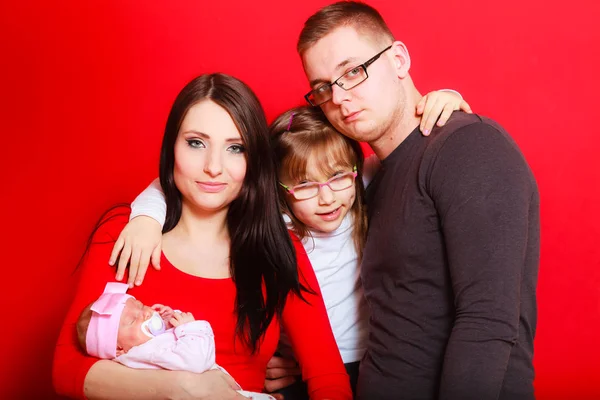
[
  {"x": 210, "y": 165},
  {"x": 325, "y": 211}
]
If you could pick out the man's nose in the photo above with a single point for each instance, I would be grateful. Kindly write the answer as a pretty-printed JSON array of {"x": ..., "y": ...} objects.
[{"x": 338, "y": 95}]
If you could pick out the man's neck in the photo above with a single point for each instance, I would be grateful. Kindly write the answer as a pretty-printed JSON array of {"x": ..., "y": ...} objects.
[{"x": 404, "y": 122}]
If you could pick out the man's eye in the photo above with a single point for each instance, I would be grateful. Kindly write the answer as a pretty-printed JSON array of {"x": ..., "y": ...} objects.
[
  {"x": 353, "y": 72},
  {"x": 322, "y": 89},
  {"x": 195, "y": 143}
]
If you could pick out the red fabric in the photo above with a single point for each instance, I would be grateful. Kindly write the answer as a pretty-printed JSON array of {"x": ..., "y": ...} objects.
[{"x": 212, "y": 300}]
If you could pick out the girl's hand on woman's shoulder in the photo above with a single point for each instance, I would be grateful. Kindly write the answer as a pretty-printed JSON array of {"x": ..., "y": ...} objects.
[{"x": 138, "y": 244}]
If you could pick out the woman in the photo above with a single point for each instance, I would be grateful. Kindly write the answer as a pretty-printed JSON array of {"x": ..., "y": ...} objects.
[{"x": 227, "y": 258}]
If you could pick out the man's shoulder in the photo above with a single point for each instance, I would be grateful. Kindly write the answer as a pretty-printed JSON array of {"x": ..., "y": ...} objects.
[
  {"x": 468, "y": 132},
  {"x": 463, "y": 122},
  {"x": 470, "y": 144}
]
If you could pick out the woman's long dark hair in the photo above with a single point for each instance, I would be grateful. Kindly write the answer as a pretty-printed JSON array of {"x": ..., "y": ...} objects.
[{"x": 261, "y": 252}]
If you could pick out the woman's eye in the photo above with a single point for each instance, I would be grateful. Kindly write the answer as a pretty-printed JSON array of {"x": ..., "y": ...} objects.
[
  {"x": 195, "y": 143},
  {"x": 236, "y": 149}
]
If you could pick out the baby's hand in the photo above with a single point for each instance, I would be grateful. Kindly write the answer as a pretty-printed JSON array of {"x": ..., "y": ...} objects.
[
  {"x": 438, "y": 106},
  {"x": 138, "y": 243},
  {"x": 165, "y": 312},
  {"x": 180, "y": 318}
]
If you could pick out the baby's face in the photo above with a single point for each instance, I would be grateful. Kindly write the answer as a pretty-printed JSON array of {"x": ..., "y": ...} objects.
[{"x": 130, "y": 326}]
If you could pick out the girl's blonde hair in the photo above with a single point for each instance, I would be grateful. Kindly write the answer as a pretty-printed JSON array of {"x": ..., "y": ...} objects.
[{"x": 302, "y": 135}]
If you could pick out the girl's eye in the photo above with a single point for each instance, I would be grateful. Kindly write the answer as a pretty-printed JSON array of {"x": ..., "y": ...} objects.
[
  {"x": 195, "y": 143},
  {"x": 236, "y": 149}
]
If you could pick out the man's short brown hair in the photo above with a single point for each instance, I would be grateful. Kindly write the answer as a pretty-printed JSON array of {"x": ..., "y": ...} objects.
[{"x": 360, "y": 16}]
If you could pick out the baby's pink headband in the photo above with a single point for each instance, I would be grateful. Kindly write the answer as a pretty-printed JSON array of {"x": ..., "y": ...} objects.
[{"x": 101, "y": 338}]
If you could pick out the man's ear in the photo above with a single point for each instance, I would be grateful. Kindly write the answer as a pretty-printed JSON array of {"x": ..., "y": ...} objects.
[
  {"x": 401, "y": 59},
  {"x": 120, "y": 351}
]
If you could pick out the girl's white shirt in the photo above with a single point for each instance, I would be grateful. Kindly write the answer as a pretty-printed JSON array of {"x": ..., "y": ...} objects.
[
  {"x": 334, "y": 259},
  {"x": 335, "y": 262}
]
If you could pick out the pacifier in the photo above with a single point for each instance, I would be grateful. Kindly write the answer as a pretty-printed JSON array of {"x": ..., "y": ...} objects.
[{"x": 153, "y": 326}]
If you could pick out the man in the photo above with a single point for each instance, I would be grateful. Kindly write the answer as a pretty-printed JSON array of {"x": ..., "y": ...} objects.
[{"x": 450, "y": 265}]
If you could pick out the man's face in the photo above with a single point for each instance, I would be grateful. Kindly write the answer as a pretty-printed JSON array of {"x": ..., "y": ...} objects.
[{"x": 365, "y": 112}]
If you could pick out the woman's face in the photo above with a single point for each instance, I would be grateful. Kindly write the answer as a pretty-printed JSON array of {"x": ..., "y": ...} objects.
[{"x": 210, "y": 164}]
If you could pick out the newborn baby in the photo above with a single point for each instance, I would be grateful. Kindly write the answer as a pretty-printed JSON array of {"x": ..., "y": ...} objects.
[{"x": 120, "y": 328}]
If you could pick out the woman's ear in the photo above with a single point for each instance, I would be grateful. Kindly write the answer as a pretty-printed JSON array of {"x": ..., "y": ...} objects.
[{"x": 401, "y": 59}]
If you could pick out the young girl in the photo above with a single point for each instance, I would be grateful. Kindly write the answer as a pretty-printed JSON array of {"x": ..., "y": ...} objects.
[
  {"x": 321, "y": 186},
  {"x": 321, "y": 175}
]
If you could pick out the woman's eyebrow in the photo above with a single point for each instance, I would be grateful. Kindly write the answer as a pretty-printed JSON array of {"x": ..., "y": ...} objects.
[{"x": 207, "y": 136}]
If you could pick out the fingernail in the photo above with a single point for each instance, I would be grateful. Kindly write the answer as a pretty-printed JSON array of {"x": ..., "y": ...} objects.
[
  {"x": 426, "y": 132},
  {"x": 138, "y": 283},
  {"x": 111, "y": 263}
]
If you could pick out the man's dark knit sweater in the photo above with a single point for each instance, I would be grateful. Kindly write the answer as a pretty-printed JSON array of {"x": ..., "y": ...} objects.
[{"x": 450, "y": 267}]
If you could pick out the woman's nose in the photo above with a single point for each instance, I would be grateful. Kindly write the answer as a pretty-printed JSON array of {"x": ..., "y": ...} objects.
[{"x": 213, "y": 165}]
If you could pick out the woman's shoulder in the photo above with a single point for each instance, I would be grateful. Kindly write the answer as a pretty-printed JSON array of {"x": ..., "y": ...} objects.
[{"x": 111, "y": 223}]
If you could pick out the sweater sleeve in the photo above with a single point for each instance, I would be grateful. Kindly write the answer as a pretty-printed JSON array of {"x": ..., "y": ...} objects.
[
  {"x": 151, "y": 203},
  {"x": 311, "y": 337},
  {"x": 483, "y": 191},
  {"x": 71, "y": 364}
]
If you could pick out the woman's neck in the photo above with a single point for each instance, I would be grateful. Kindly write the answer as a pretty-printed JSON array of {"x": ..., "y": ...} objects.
[
  {"x": 200, "y": 226},
  {"x": 199, "y": 244}
]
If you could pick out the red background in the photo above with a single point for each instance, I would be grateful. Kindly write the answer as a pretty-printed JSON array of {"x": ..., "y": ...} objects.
[{"x": 86, "y": 89}]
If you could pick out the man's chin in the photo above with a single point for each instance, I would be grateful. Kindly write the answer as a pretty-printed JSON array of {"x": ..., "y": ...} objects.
[{"x": 355, "y": 132}]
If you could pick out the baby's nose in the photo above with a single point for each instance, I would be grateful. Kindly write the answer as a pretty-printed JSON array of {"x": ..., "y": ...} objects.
[{"x": 148, "y": 312}]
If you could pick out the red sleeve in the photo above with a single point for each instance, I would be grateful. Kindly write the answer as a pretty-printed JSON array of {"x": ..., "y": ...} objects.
[
  {"x": 71, "y": 364},
  {"x": 309, "y": 331}
]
